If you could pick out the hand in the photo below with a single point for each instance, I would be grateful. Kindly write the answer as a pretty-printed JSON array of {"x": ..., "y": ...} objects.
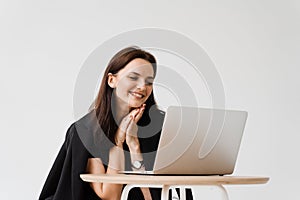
[
  {"x": 138, "y": 113},
  {"x": 128, "y": 128},
  {"x": 132, "y": 129},
  {"x": 121, "y": 132}
]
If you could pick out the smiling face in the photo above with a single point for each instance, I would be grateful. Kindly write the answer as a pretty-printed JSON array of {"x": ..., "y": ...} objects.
[{"x": 133, "y": 84}]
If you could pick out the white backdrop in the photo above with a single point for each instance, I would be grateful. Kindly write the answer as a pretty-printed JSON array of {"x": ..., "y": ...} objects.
[{"x": 254, "y": 45}]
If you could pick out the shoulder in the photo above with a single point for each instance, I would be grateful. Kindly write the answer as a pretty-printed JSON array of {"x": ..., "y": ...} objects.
[
  {"x": 70, "y": 134},
  {"x": 157, "y": 114},
  {"x": 87, "y": 125},
  {"x": 80, "y": 129},
  {"x": 159, "y": 111},
  {"x": 91, "y": 135},
  {"x": 87, "y": 120}
]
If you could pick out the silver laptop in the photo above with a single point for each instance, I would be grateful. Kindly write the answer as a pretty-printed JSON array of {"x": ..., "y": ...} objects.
[{"x": 198, "y": 141}]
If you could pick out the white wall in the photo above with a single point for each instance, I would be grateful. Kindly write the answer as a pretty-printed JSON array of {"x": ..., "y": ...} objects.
[{"x": 254, "y": 45}]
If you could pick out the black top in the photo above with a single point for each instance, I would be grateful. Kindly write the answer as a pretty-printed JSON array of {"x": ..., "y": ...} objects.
[{"x": 63, "y": 181}]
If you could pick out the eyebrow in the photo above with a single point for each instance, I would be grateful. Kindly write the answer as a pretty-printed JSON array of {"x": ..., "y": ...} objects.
[{"x": 149, "y": 77}]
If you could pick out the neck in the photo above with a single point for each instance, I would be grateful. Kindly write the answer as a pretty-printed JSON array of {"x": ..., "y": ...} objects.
[{"x": 120, "y": 110}]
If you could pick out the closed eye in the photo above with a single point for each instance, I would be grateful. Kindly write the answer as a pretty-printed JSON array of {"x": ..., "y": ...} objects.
[
  {"x": 133, "y": 78},
  {"x": 149, "y": 83}
]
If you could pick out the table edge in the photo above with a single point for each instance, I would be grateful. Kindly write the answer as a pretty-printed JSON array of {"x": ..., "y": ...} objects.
[{"x": 174, "y": 180}]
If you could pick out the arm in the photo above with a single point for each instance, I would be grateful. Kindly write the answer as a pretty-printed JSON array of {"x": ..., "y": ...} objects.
[
  {"x": 127, "y": 131},
  {"x": 134, "y": 144},
  {"x": 107, "y": 191}
]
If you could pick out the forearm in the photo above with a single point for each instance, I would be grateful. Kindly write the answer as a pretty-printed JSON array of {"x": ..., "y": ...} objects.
[
  {"x": 135, "y": 153},
  {"x": 116, "y": 163},
  {"x": 107, "y": 191}
]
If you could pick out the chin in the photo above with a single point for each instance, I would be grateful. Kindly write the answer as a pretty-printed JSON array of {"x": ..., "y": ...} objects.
[{"x": 135, "y": 104}]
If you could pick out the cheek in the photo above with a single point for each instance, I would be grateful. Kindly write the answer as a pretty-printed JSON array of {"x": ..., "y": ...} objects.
[
  {"x": 121, "y": 90},
  {"x": 149, "y": 90},
  {"x": 125, "y": 86}
]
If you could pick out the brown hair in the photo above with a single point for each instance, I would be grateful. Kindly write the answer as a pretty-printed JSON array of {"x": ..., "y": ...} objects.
[{"x": 104, "y": 98}]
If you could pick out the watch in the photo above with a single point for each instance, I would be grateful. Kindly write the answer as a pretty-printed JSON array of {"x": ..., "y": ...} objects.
[{"x": 137, "y": 164}]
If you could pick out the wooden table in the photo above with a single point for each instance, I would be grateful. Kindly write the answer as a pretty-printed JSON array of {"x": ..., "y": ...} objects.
[{"x": 166, "y": 182}]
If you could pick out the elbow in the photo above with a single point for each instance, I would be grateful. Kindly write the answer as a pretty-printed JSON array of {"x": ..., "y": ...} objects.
[
  {"x": 111, "y": 196},
  {"x": 108, "y": 193}
]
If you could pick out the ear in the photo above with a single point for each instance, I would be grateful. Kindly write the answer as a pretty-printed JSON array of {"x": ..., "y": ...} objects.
[{"x": 111, "y": 80}]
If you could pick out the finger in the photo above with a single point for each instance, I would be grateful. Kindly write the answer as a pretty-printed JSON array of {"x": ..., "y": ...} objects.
[
  {"x": 121, "y": 133},
  {"x": 125, "y": 123},
  {"x": 134, "y": 112},
  {"x": 140, "y": 113},
  {"x": 132, "y": 129}
]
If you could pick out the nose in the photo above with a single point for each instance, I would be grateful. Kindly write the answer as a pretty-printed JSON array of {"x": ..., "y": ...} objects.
[{"x": 141, "y": 84}]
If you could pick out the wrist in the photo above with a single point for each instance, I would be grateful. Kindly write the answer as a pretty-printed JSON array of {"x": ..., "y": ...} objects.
[
  {"x": 134, "y": 148},
  {"x": 119, "y": 141},
  {"x": 138, "y": 165},
  {"x": 119, "y": 144}
]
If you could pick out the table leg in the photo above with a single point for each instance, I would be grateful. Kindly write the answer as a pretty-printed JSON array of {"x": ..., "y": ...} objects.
[
  {"x": 165, "y": 192},
  {"x": 128, "y": 187},
  {"x": 224, "y": 192},
  {"x": 125, "y": 191},
  {"x": 182, "y": 193}
]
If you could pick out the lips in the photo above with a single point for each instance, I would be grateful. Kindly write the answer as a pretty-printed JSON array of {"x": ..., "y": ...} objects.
[{"x": 137, "y": 94}]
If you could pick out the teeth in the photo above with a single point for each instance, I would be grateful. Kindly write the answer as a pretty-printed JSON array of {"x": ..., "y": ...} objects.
[{"x": 137, "y": 95}]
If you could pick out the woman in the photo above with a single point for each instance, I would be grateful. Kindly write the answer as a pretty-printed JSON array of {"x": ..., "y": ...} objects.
[{"x": 120, "y": 133}]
